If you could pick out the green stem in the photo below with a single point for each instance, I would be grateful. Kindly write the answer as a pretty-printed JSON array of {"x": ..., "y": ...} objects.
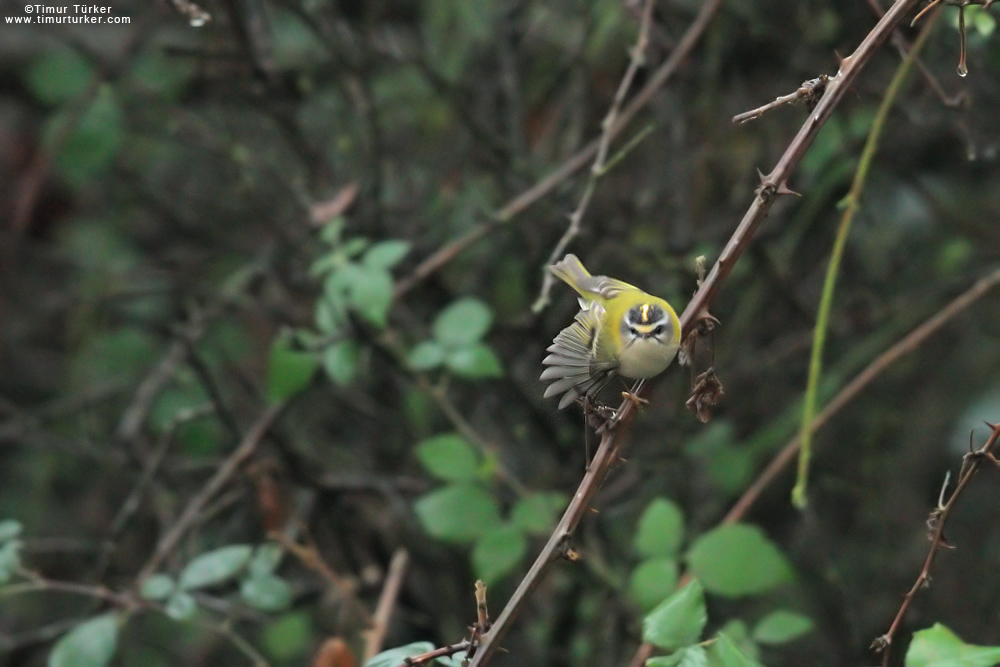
[{"x": 851, "y": 202}]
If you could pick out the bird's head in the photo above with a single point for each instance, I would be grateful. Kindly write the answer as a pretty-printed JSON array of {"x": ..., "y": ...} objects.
[{"x": 646, "y": 321}]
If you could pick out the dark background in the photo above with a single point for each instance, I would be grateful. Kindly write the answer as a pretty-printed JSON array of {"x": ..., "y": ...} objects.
[{"x": 181, "y": 190}]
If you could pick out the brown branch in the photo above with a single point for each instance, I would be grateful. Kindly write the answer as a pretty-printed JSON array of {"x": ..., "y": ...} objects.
[
  {"x": 386, "y": 603},
  {"x": 613, "y": 438},
  {"x": 226, "y": 471},
  {"x": 130, "y": 426},
  {"x": 809, "y": 92},
  {"x": 443, "y": 652},
  {"x": 524, "y": 200},
  {"x": 936, "y": 522},
  {"x": 39, "y": 583},
  {"x": 908, "y": 344},
  {"x": 597, "y": 169}
]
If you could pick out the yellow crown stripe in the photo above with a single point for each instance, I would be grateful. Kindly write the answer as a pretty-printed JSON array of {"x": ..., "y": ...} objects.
[{"x": 645, "y": 313}]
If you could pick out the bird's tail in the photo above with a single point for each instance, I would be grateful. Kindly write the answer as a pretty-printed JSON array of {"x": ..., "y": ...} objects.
[{"x": 572, "y": 272}]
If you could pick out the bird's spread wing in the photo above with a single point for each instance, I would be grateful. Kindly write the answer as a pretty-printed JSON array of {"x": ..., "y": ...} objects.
[
  {"x": 609, "y": 288},
  {"x": 572, "y": 362}
]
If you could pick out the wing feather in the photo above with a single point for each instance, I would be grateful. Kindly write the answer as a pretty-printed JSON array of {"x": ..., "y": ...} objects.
[{"x": 572, "y": 362}]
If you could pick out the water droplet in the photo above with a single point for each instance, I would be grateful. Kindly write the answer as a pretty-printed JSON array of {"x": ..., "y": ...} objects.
[{"x": 962, "y": 70}]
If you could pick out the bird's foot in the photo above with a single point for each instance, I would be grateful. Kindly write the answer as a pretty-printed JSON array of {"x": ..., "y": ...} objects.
[{"x": 637, "y": 401}]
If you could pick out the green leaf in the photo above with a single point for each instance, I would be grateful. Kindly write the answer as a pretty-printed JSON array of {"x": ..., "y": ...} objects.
[
  {"x": 289, "y": 371},
  {"x": 463, "y": 323},
  {"x": 215, "y": 567},
  {"x": 331, "y": 232},
  {"x": 449, "y": 457},
  {"x": 725, "y": 653},
  {"x": 266, "y": 592},
  {"x": 497, "y": 553},
  {"x": 10, "y": 559},
  {"x": 652, "y": 581},
  {"x": 353, "y": 247},
  {"x": 937, "y": 646},
  {"x": 474, "y": 362},
  {"x": 426, "y": 356},
  {"x": 288, "y": 637},
  {"x": 157, "y": 587},
  {"x": 678, "y": 621},
  {"x": 370, "y": 293},
  {"x": 9, "y": 529},
  {"x": 340, "y": 360},
  {"x": 781, "y": 626},
  {"x": 331, "y": 312},
  {"x": 181, "y": 606},
  {"x": 456, "y": 660},
  {"x": 737, "y": 560},
  {"x": 386, "y": 254},
  {"x": 458, "y": 513},
  {"x": 738, "y": 633},
  {"x": 163, "y": 75},
  {"x": 985, "y": 23},
  {"x": 396, "y": 656},
  {"x": 692, "y": 656},
  {"x": 94, "y": 142},
  {"x": 536, "y": 513},
  {"x": 661, "y": 529},
  {"x": 90, "y": 644},
  {"x": 266, "y": 559},
  {"x": 58, "y": 75}
]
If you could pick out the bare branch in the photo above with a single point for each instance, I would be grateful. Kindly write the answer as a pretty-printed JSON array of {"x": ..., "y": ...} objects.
[
  {"x": 940, "y": 516},
  {"x": 226, "y": 471},
  {"x": 597, "y": 169},
  {"x": 386, "y": 602}
]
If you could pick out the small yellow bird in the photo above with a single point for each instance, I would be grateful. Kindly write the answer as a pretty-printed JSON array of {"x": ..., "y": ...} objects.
[{"x": 620, "y": 330}]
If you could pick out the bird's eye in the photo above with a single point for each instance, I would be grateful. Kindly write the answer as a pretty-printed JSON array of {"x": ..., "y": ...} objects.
[
  {"x": 658, "y": 330},
  {"x": 633, "y": 331}
]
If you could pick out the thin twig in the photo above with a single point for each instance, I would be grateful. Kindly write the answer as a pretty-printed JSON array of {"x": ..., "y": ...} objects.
[
  {"x": 222, "y": 476},
  {"x": 597, "y": 169},
  {"x": 938, "y": 518},
  {"x": 443, "y": 652},
  {"x": 853, "y": 202},
  {"x": 809, "y": 92},
  {"x": 899, "y": 41},
  {"x": 613, "y": 438},
  {"x": 386, "y": 603},
  {"x": 130, "y": 426},
  {"x": 523, "y": 201},
  {"x": 41, "y": 584}
]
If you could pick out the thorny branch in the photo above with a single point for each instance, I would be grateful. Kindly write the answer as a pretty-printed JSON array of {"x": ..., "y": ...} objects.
[
  {"x": 936, "y": 522},
  {"x": 598, "y": 168},
  {"x": 612, "y": 439}
]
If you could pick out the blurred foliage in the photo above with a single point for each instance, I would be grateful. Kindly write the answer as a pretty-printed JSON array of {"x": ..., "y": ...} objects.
[{"x": 200, "y": 223}]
